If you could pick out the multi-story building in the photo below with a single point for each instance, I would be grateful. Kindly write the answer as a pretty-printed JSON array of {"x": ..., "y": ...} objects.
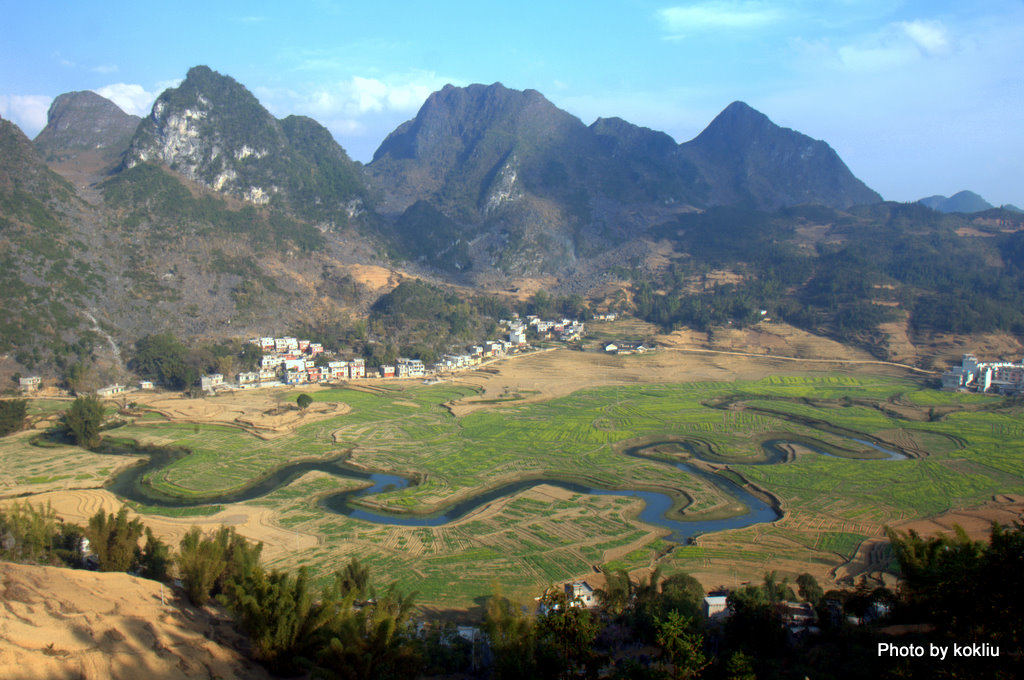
[{"x": 1003, "y": 377}]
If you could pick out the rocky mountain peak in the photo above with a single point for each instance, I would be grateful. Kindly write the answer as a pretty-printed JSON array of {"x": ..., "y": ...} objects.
[
  {"x": 464, "y": 114},
  {"x": 80, "y": 121},
  {"x": 214, "y": 131},
  {"x": 749, "y": 160}
]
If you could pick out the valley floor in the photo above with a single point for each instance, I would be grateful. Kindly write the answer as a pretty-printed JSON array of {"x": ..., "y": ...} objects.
[{"x": 567, "y": 414}]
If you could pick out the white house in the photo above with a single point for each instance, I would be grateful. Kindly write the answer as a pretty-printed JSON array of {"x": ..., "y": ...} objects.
[
  {"x": 110, "y": 390},
  {"x": 30, "y": 383},
  {"x": 209, "y": 382},
  {"x": 715, "y": 605},
  {"x": 581, "y": 592}
]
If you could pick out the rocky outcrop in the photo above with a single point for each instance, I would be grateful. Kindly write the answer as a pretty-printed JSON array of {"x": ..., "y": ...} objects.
[
  {"x": 213, "y": 131},
  {"x": 84, "y": 121}
]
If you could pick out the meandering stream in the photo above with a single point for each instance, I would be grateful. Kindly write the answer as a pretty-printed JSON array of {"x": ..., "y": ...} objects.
[{"x": 130, "y": 484}]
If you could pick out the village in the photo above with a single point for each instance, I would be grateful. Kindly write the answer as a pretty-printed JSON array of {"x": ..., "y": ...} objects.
[{"x": 291, "y": 361}]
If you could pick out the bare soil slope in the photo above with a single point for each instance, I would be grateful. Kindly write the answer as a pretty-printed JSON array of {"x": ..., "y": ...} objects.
[{"x": 62, "y": 623}]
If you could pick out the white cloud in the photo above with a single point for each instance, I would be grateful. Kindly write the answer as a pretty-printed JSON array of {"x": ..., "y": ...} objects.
[
  {"x": 682, "y": 20},
  {"x": 359, "y": 110},
  {"x": 27, "y": 111},
  {"x": 895, "y": 45},
  {"x": 872, "y": 57},
  {"x": 132, "y": 98},
  {"x": 359, "y": 95},
  {"x": 930, "y": 36}
]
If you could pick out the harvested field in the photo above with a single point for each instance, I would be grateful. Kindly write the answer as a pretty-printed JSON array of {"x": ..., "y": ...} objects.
[{"x": 266, "y": 412}]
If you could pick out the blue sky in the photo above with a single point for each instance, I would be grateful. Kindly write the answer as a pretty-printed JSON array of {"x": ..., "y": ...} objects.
[{"x": 918, "y": 98}]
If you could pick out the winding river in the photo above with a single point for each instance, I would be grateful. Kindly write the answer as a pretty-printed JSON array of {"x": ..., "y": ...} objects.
[{"x": 129, "y": 484}]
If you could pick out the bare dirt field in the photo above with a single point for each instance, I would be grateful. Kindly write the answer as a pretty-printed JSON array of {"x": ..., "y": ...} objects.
[
  {"x": 64, "y": 623},
  {"x": 377, "y": 279},
  {"x": 556, "y": 373},
  {"x": 264, "y": 412}
]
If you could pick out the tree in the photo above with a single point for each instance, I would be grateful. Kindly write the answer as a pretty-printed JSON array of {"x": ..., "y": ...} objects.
[
  {"x": 213, "y": 565},
  {"x": 739, "y": 666},
  {"x": 777, "y": 591},
  {"x": 114, "y": 539},
  {"x": 353, "y": 578},
  {"x": 615, "y": 596},
  {"x": 303, "y": 401},
  {"x": 164, "y": 358},
  {"x": 809, "y": 589},
  {"x": 373, "y": 641},
  {"x": 513, "y": 636},
  {"x": 282, "y": 619},
  {"x": 250, "y": 356},
  {"x": 684, "y": 594},
  {"x": 684, "y": 648},
  {"x": 27, "y": 533},
  {"x": 12, "y": 415},
  {"x": 565, "y": 635},
  {"x": 83, "y": 420},
  {"x": 155, "y": 560},
  {"x": 201, "y": 562}
]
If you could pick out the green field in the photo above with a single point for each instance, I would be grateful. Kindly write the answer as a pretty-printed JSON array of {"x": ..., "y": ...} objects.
[{"x": 542, "y": 536}]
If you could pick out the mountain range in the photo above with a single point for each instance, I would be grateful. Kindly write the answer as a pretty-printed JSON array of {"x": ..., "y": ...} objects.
[{"x": 211, "y": 212}]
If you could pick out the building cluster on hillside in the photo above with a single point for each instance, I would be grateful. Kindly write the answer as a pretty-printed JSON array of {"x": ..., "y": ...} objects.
[
  {"x": 293, "y": 361},
  {"x": 627, "y": 348},
  {"x": 1002, "y": 377},
  {"x": 566, "y": 330}
]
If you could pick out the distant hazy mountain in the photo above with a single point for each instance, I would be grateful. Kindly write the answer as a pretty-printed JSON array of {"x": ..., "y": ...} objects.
[
  {"x": 962, "y": 202},
  {"x": 212, "y": 130},
  {"x": 749, "y": 160},
  {"x": 84, "y": 121}
]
